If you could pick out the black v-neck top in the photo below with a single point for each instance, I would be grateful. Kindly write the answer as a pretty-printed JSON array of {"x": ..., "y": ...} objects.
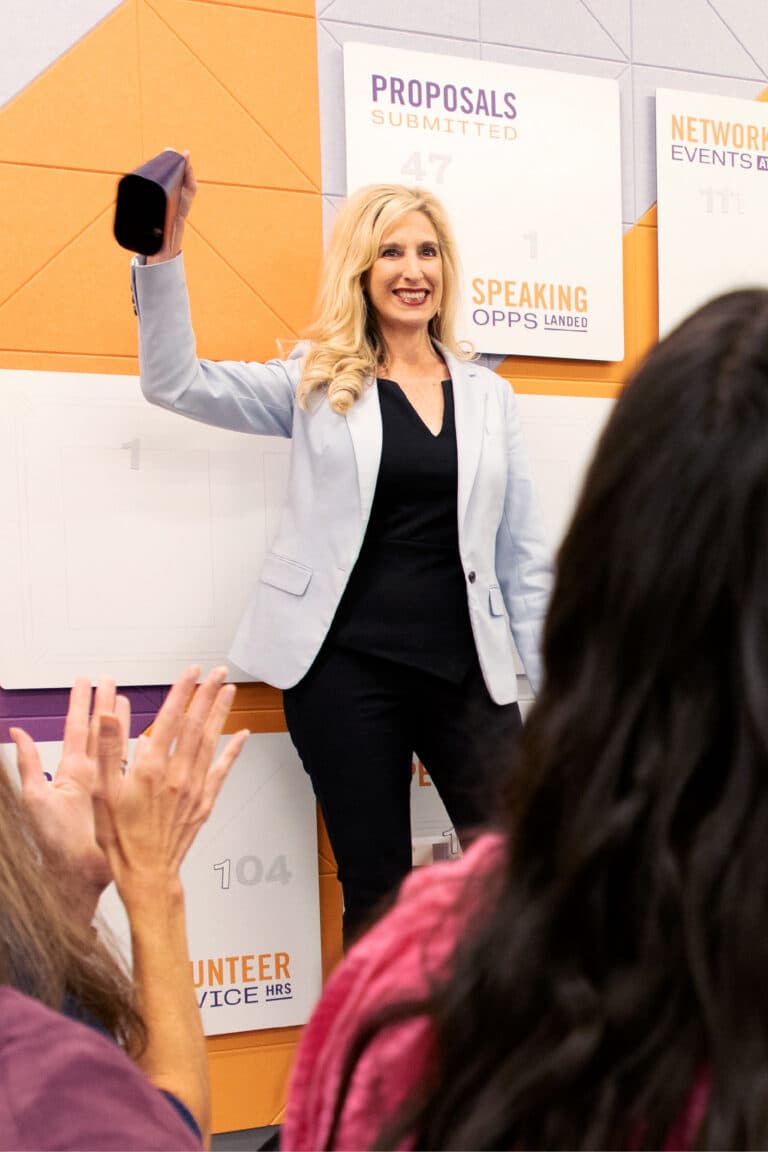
[{"x": 406, "y": 598}]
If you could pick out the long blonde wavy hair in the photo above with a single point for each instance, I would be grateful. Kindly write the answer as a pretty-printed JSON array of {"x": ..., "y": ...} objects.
[{"x": 347, "y": 346}]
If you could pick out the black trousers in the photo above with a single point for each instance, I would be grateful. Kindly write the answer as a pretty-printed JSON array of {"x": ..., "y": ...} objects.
[{"x": 356, "y": 721}]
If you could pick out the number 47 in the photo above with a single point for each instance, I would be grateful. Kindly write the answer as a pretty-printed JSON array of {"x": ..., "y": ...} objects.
[{"x": 430, "y": 167}]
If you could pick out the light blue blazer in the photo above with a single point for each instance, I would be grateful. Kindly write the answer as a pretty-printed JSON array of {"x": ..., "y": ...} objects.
[{"x": 334, "y": 464}]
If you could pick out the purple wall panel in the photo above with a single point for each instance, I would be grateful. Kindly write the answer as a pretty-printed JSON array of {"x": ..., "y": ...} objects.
[{"x": 41, "y": 711}]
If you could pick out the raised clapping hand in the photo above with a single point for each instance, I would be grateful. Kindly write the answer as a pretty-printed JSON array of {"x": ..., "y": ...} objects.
[
  {"x": 147, "y": 819},
  {"x": 100, "y": 824},
  {"x": 62, "y": 811}
]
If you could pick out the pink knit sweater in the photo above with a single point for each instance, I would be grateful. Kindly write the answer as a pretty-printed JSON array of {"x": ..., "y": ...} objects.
[{"x": 392, "y": 963}]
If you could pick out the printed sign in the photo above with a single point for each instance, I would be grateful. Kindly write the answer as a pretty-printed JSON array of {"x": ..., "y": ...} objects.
[
  {"x": 433, "y": 835},
  {"x": 528, "y": 165},
  {"x": 712, "y": 165}
]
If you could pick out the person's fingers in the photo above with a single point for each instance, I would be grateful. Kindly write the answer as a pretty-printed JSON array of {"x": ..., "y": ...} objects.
[
  {"x": 220, "y": 768},
  {"x": 103, "y": 701},
  {"x": 109, "y": 746},
  {"x": 109, "y": 757},
  {"x": 212, "y": 730},
  {"x": 169, "y": 719},
  {"x": 123, "y": 713},
  {"x": 197, "y": 716},
  {"x": 77, "y": 721},
  {"x": 29, "y": 763},
  {"x": 224, "y": 761},
  {"x": 189, "y": 187},
  {"x": 214, "y": 779}
]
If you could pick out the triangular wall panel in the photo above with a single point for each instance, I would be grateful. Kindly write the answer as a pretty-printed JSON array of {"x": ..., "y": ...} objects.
[
  {"x": 748, "y": 24},
  {"x": 615, "y": 18},
  {"x": 279, "y": 252},
  {"x": 186, "y": 105},
  {"x": 42, "y": 211},
  {"x": 662, "y": 42},
  {"x": 289, "y": 7},
  {"x": 82, "y": 112},
  {"x": 566, "y": 26},
  {"x": 40, "y": 31},
  {"x": 231, "y": 321},
  {"x": 79, "y": 303}
]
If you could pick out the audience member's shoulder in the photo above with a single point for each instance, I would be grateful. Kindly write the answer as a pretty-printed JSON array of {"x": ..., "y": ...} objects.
[
  {"x": 64, "y": 1085},
  {"x": 397, "y": 959}
]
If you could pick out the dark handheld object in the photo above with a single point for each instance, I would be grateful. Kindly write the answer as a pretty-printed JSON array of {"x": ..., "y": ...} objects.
[{"x": 143, "y": 198}]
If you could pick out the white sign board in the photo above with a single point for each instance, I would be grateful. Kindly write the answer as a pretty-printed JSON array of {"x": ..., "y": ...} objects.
[
  {"x": 251, "y": 887},
  {"x": 132, "y": 538},
  {"x": 433, "y": 835},
  {"x": 528, "y": 165},
  {"x": 712, "y": 186}
]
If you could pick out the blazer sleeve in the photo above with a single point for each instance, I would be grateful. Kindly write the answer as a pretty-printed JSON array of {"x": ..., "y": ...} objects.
[
  {"x": 240, "y": 396},
  {"x": 523, "y": 558}
]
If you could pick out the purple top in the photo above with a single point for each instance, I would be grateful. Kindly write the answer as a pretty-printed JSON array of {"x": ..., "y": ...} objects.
[{"x": 63, "y": 1085}]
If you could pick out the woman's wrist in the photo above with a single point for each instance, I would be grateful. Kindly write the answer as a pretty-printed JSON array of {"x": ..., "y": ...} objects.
[
  {"x": 161, "y": 257},
  {"x": 152, "y": 896}
]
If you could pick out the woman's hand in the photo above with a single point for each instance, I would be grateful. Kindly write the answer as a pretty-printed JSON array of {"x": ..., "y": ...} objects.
[
  {"x": 178, "y": 210},
  {"x": 62, "y": 811},
  {"x": 145, "y": 822},
  {"x": 147, "y": 819}
]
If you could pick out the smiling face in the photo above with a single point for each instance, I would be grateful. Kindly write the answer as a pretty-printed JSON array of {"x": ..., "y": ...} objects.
[{"x": 405, "y": 282}]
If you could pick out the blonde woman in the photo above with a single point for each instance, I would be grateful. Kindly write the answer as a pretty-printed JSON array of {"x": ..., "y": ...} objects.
[{"x": 409, "y": 552}]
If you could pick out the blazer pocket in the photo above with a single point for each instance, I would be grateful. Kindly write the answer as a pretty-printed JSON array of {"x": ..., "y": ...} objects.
[
  {"x": 287, "y": 575},
  {"x": 496, "y": 601}
]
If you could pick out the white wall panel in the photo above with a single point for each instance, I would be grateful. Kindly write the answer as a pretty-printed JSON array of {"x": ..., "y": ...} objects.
[
  {"x": 37, "y": 32},
  {"x": 138, "y": 535}
]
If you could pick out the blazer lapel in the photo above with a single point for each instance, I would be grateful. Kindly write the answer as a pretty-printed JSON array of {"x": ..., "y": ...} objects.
[
  {"x": 469, "y": 398},
  {"x": 364, "y": 423}
]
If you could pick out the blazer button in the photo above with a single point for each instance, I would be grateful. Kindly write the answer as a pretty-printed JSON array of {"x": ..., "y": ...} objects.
[{"x": 472, "y": 576}]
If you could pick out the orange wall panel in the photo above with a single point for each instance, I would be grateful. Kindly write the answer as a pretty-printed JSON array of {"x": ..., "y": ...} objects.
[
  {"x": 641, "y": 251},
  {"x": 266, "y": 62},
  {"x": 294, "y": 7},
  {"x": 42, "y": 211},
  {"x": 83, "y": 112},
  {"x": 64, "y": 362},
  {"x": 273, "y": 240},
  {"x": 187, "y": 103},
  {"x": 248, "y": 1081},
  {"x": 233, "y": 320},
  {"x": 78, "y": 302}
]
